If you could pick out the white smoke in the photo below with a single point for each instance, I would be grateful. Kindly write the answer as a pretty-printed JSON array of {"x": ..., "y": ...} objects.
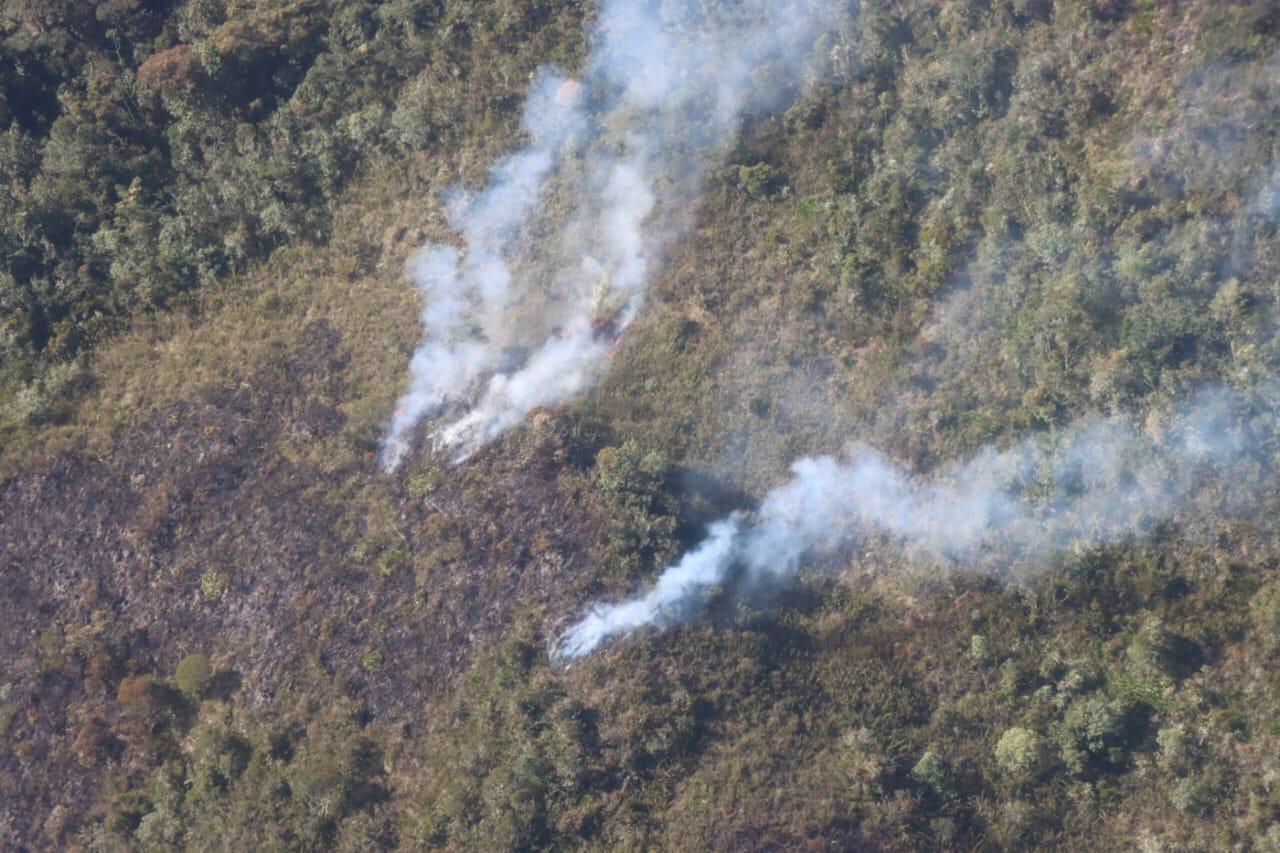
[
  {"x": 1103, "y": 480},
  {"x": 664, "y": 88}
]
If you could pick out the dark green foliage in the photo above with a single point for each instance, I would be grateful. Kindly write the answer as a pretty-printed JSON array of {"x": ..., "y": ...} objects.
[
  {"x": 1265, "y": 612},
  {"x": 152, "y": 150},
  {"x": 637, "y": 493},
  {"x": 760, "y": 180},
  {"x": 193, "y": 674}
]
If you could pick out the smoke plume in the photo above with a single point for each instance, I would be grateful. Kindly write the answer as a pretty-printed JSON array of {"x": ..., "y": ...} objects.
[
  {"x": 1099, "y": 481},
  {"x": 510, "y": 326},
  {"x": 1102, "y": 480}
]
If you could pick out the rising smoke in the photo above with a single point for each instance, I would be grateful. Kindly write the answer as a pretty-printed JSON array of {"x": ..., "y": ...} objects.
[
  {"x": 1102, "y": 480},
  {"x": 663, "y": 91}
]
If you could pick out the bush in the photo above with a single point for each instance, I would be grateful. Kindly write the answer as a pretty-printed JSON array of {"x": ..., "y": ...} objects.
[
  {"x": 213, "y": 585},
  {"x": 642, "y": 512},
  {"x": 1090, "y": 729},
  {"x": 1177, "y": 747},
  {"x": 392, "y": 560},
  {"x": 760, "y": 180},
  {"x": 426, "y": 481},
  {"x": 1020, "y": 754},
  {"x": 1150, "y": 652},
  {"x": 979, "y": 650},
  {"x": 931, "y": 772},
  {"x": 159, "y": 828},
  {"x": 1264, "y": 613},
  {"x": 193, "y": 674},
  {"x": 137, "y": 696}
]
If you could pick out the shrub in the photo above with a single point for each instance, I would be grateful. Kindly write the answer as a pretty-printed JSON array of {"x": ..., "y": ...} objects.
[
  {"x": 931, "y": 772},
  {"x": 865, "y": 763},
  {"x": 174, "y": 70},
  {"x": 1264, "y": 612},
  {"x": 760, "y": 180},
  {"x": 642, "y": 512},
  {"x": 213, "y": 585},
  {"x": 160, "y": 827},
  {"x": 193, "y": 674},
  {"x": 137, "y": 696},
  {"x": 1177, "y": 747},
  {"x": 323, "y": 781},
  {"x": 90, "y": 742},
  {"x": 127, "y": 813},
  {"x": 1150, "y": 651},
  {"x": 1090, "y": 729},
  {"x": 1020, "y": 754},
  {"x": 392, "y": 560},
  {"x": 426, "y": 481},
  {"x": 979, "y": 650},
  {"x": 413, "y": 123}
]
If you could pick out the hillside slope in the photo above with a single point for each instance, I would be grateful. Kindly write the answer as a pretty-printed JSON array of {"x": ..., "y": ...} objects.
[{"x": 224, "y": 627}]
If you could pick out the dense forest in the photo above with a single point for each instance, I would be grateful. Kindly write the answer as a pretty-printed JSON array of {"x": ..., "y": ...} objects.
[{"x": 971, "y": 227}]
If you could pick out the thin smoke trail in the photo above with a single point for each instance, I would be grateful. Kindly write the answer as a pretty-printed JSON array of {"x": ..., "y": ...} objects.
[
  {"x": 1106, "y": 480},
  {"x": 663, "y": 91}
]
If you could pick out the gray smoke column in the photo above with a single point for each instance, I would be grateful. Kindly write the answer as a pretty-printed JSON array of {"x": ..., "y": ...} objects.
[
  {"x": 622, "y": 149},
  {"x": 1103, "y": 480}
]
